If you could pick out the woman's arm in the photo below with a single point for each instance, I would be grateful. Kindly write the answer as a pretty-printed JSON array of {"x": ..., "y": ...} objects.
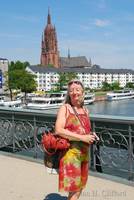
[{"x": 59, "y": 128}]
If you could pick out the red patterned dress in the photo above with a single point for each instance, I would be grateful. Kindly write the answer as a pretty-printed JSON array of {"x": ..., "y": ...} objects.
[{"x": 73, "y": 170}]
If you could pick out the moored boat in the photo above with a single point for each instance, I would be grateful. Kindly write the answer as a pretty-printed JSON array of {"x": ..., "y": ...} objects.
[
  {"x": 54, "y": 100},
  {"x": 89, "y": 98},
  {"x": 15, "y": 103},
  {"x": 120, "y": 95},
  {"x": 49, "y": 100}
]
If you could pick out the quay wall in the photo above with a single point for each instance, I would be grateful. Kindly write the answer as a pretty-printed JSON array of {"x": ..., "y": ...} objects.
[{"x": 100, "y": 98}]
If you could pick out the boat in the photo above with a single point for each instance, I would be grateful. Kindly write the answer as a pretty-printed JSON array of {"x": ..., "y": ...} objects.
[
  {"x": 2, "y": 98},
  {"x": 89, "y": 98},
  {"x": 15, "y": 103},
  {"x": 120, "y": 95},
  {"x": 47, "y": 101},
  {"x": 53, "y": 101}
]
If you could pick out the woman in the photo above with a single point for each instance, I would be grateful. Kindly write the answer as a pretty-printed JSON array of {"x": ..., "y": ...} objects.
[{"x": 73, "y": 123}]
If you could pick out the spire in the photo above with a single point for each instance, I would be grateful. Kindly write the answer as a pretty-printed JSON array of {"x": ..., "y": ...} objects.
[
  {"x": 49, "y": 17},
  {"x": 42, "y": 37},
  {"x": 90, "y": 62},
  {"x": 49, "y": 51},
  {"x": 68, "y": 53}
]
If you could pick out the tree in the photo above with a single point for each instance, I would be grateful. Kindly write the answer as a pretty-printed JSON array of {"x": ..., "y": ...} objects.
[
  {"x": 26, "y": 83},
  {"x": 64, "y": 78},
  {"x": 106, "y": 86},
  {"x": 130, "y": 85},
  {"x": 19, "y": 78},
  {"x": 115, "y": 86},
  {"x": 18, "y": 65}
]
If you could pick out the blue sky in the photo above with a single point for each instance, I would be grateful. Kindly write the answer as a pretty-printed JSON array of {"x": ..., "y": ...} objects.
[{"x": 102, "y": 30}]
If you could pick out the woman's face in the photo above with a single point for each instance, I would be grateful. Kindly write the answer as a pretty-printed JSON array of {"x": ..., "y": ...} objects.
[{"x": 76, "y": 93}]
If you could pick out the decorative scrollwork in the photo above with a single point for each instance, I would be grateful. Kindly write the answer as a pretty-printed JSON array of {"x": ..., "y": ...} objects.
[
  {"x": 5, "y": 132},
  {"x": 115, "y": 150}
]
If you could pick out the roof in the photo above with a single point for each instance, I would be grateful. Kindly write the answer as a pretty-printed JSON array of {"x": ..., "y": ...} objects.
[
  {"x": 80, "y": 61},
  {"x": 91, "y": 70},
  {"x": 3, "y": 59}
]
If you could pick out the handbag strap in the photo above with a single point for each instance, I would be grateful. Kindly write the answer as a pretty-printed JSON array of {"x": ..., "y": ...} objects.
[
  {"x": 48, "y": 152},
  {"x": 77, "y": 115}
]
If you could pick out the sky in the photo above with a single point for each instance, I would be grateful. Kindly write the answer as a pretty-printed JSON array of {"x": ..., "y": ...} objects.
[{"x": 101, "y": 30}]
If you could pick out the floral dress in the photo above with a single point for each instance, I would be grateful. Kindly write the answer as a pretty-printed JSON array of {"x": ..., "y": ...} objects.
[{"x": 73, "y": 169}]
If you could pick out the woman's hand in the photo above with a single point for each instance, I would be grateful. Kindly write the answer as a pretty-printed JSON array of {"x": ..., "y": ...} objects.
[
  {"x": 96, "y": 136},
  {"x": 88, "y": 138}
]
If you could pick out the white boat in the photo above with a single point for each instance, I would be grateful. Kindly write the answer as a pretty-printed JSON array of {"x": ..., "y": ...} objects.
[
  {"x": 2, "y": 98},
  {"x": 15, "y": 103},
  {"x": 49, "y": 100},
  {"x": 54, "y": 100},
  {"x": 89, "y": 98},
  {"x": 120, "y": 94}
]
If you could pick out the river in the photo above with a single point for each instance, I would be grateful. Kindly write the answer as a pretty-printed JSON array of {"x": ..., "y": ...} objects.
[{"x": 120, "y": 108}]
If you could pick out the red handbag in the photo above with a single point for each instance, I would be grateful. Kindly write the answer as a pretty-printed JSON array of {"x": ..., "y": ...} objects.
[{"x": 51, "y": 141}]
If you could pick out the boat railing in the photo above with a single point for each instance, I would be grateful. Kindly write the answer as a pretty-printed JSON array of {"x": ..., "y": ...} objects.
[{"x": 21, "y": 132}]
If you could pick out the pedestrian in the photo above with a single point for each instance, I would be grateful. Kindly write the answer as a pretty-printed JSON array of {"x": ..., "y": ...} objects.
[{"x": 74, "y": 124}]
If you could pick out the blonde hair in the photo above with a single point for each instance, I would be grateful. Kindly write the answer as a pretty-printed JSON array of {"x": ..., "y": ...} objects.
[{"x": 67, "y": 98}]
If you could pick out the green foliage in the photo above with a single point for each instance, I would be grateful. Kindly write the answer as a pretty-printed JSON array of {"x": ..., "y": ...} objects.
[
  {"x": 19, "y": 78},
  {"x": 106, "y": 86},
  {"x": 25, "y": 81},
  {"x": 50, "y": 65},
  {"x": 130, "y": 85},
  {"x": 115, "y": 86},
  {"x": 64, "y": 78},
  {"x": 18, "y": 65}
]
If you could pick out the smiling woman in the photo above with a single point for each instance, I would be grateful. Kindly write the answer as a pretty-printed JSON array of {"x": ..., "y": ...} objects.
[
  {"x": 73, "y": 123},
  {"x": 75, "y": 91}
]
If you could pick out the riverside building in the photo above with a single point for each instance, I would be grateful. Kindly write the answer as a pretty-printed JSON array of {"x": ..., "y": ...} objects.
[
  {"x": 93, "y": 78},
  {"x": 3, "y": 69}
]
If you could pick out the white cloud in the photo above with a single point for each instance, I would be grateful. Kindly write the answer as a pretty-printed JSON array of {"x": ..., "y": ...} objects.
[{"x": 101, "y": 23}]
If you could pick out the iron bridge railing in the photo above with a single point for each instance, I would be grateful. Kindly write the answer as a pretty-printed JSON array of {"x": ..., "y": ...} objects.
[{"x": 21, "y": 132}]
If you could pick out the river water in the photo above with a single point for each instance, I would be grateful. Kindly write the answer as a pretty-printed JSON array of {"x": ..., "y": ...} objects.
[{"x": 118, "y": 108}]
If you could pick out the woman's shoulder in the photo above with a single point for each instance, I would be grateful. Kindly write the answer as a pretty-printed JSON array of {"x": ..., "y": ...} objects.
[
  {"x": 64, "y": 110},
  {"x": 65, "y": 106},
  {"x": 86, "y": 110}
]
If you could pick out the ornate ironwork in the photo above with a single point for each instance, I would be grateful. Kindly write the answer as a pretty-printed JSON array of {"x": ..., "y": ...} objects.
[{"x": 113, "y": 154}]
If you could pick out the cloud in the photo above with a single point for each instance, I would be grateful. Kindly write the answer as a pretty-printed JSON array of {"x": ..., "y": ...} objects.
[{"x": 101, "y": 23}]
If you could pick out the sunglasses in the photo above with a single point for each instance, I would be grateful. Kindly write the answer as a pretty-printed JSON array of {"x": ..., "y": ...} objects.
[{"x": 76, "y": 82}]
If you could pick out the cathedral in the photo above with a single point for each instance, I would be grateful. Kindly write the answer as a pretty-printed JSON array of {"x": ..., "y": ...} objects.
[
  {"x": 50, "y": 54},
  {"x": 49, "y": 47}
]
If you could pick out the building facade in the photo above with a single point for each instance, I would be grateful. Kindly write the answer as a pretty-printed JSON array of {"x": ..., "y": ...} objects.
[
  {"x": 3, "y": 69},
  {"x": 92, "y": 78}
]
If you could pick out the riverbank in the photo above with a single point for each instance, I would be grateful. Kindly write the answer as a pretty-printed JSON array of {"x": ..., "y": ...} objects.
[{"x": 100, "y": 96}]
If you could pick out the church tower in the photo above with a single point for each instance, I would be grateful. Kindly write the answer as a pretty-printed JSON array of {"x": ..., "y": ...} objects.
[{"x": 49, "y": 47}]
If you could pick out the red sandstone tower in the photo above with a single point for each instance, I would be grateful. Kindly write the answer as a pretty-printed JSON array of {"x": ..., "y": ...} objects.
[{"x": 49, "y": 47}]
